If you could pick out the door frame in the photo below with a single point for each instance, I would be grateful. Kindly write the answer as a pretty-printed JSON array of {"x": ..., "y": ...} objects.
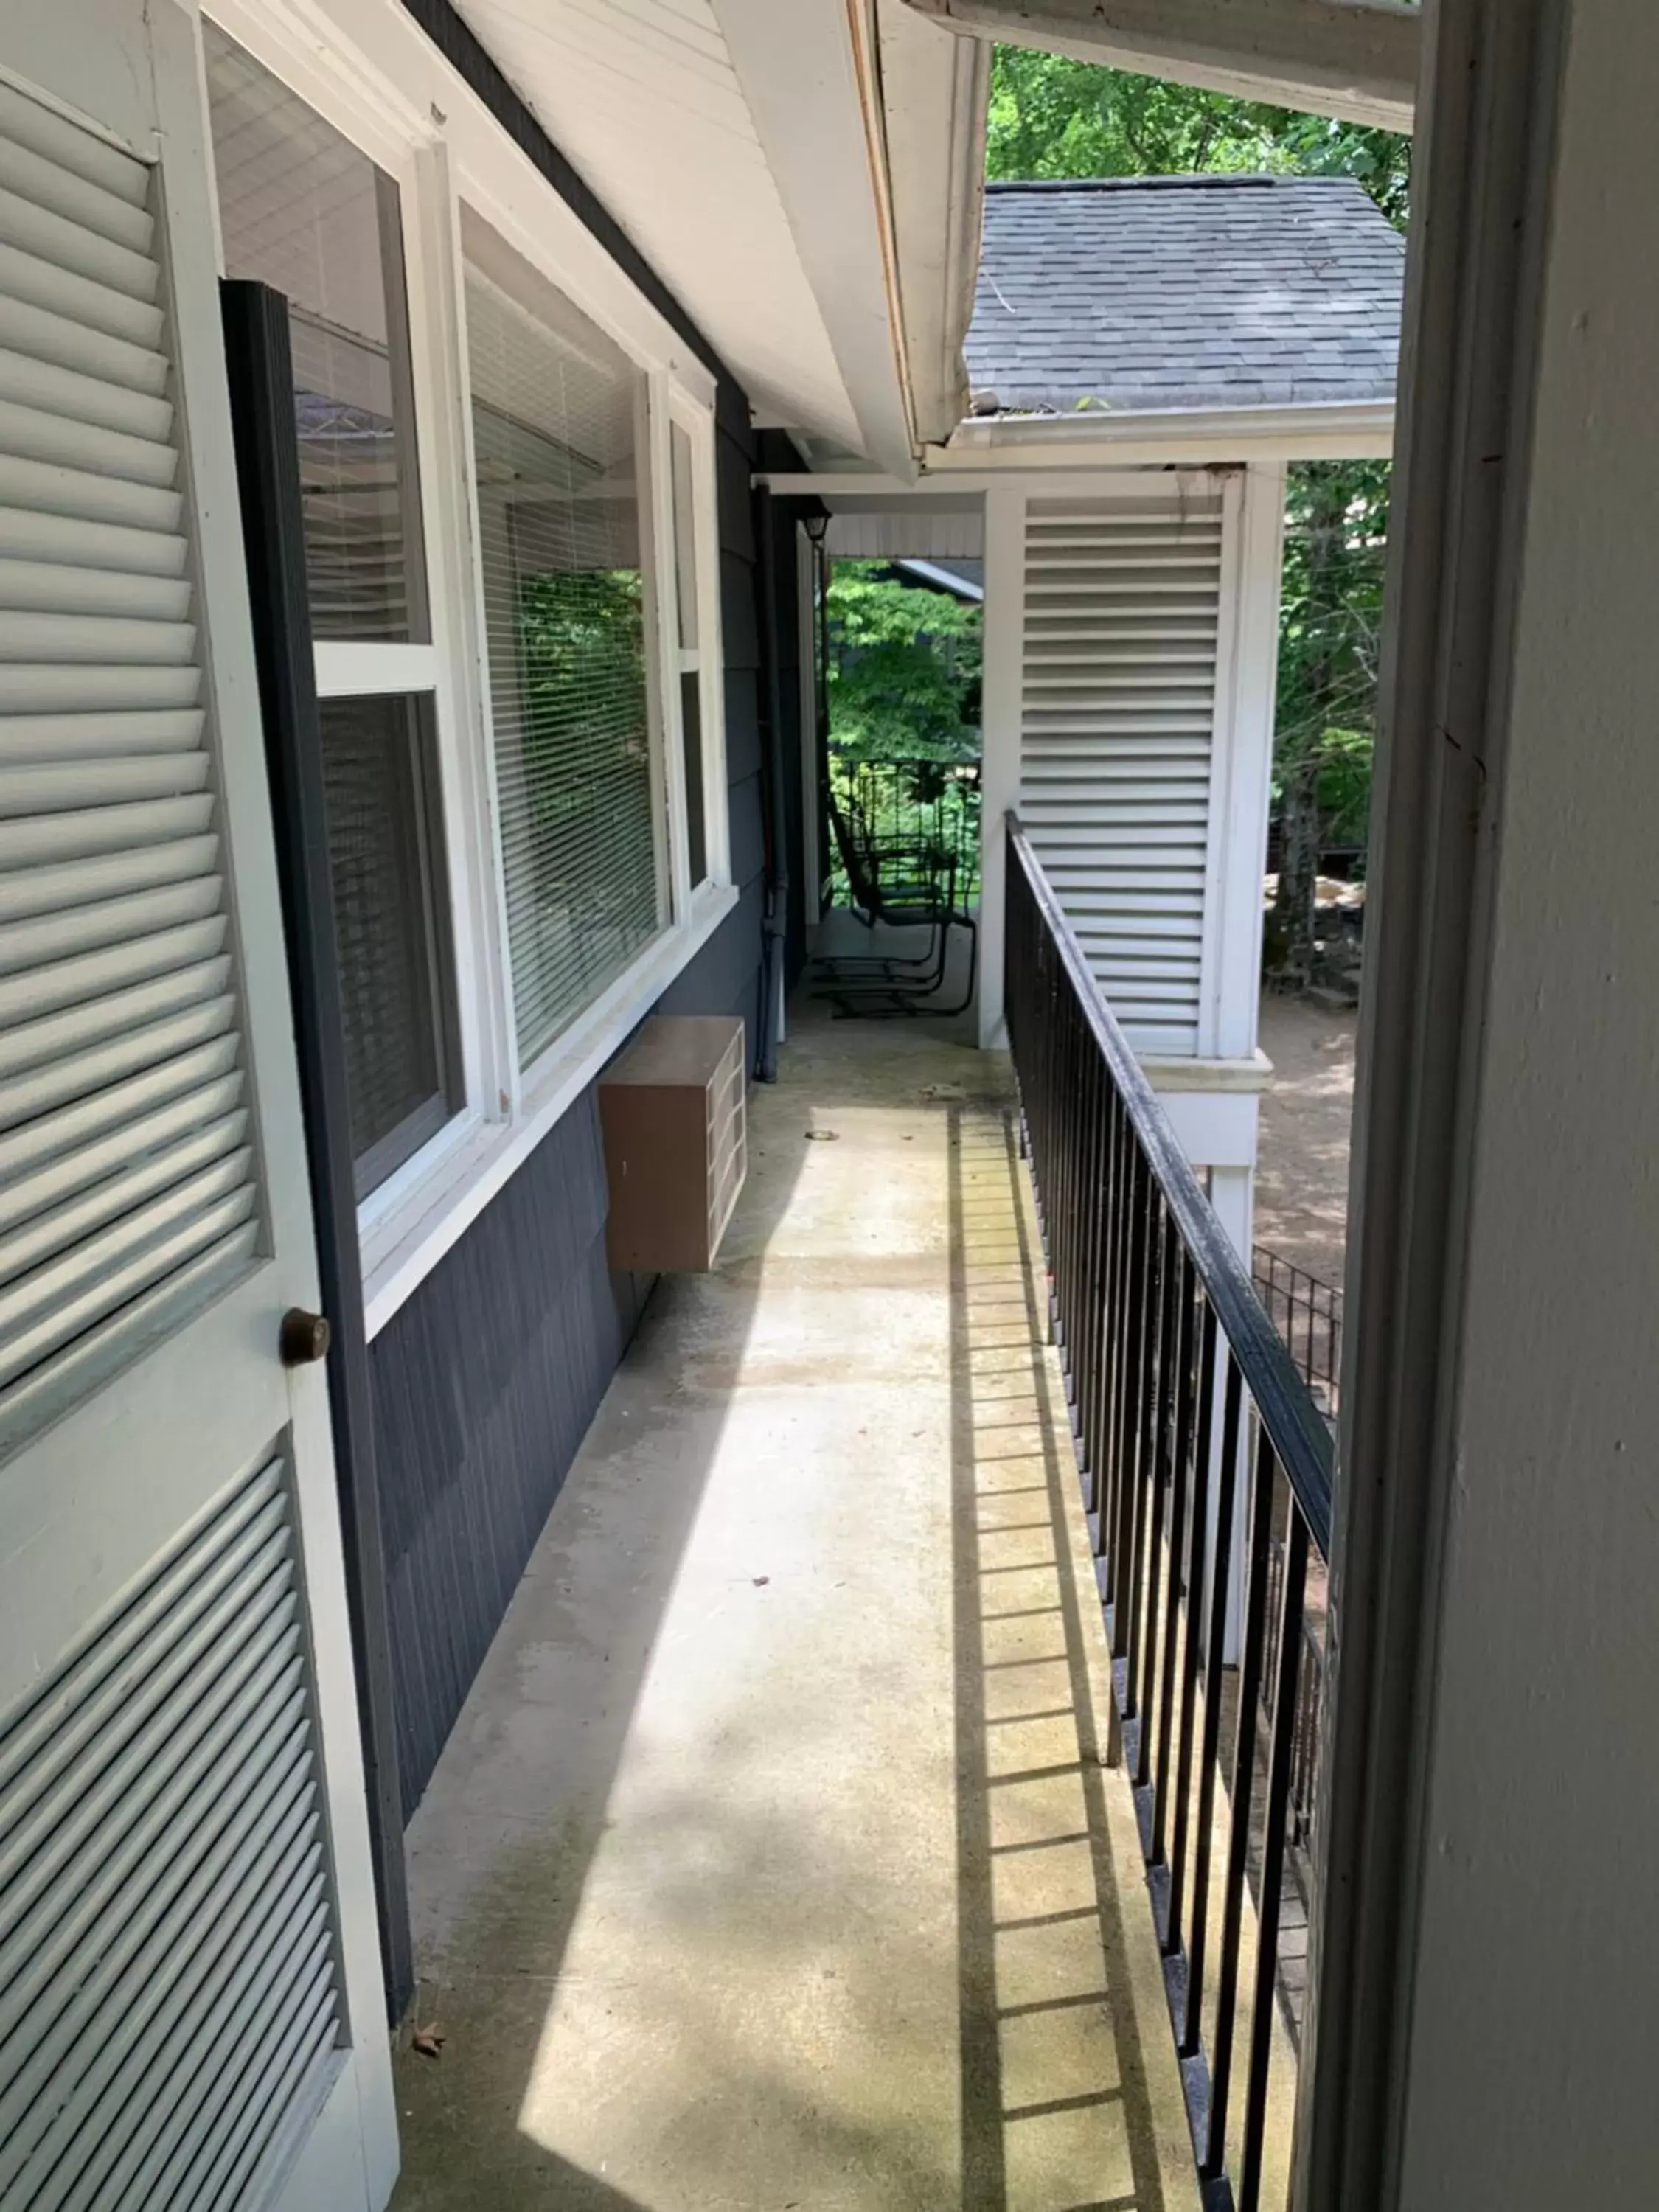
[{"x": 258, "y": 362}]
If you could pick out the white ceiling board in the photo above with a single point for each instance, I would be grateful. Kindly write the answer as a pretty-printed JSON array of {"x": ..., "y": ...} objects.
[
  {"x": 904, "y": 529},
  {"x": 641, "y": 98}
]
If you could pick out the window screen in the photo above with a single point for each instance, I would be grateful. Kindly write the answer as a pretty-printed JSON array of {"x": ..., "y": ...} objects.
[
  {"x": 303, "y": 210},
  {"x": 558, "y": 415},
  {"x": 391, "y": 922}
]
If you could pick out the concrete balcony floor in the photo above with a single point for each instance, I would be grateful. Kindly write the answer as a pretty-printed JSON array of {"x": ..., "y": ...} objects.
[{"x": 773, "y": 1862}]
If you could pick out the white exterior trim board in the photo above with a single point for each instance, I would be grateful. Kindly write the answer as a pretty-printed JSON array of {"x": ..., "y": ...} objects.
[{"x": 1001, "y": 688}]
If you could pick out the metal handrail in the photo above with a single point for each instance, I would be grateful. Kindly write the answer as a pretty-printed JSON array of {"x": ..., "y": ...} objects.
[
  {"x": 1307, "y": 1311},
  {"x": 1192, "y": 1427},
  {"x": 1300, "y": 1440}
]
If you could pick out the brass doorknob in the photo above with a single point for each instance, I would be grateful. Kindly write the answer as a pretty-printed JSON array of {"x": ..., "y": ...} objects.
[{"x": 302, "y": 1337}]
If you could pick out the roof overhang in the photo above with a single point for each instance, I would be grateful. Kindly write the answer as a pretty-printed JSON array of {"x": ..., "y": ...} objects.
[
  {"x": 1353, "y": 58},
  {"x": 872, "y": 121},
  {"x": 803, "y": 176},
  {"x": 810, "y": 76},
  {"x": 1187, "y": 437},
  {"x": 982, "y": 453},
  {"x": 933, "y": 94}
]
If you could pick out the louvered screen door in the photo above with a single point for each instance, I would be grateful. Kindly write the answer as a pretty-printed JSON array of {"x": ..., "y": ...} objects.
[
  {"x": 190, "y": 2015},
  {"x": 1125, "y": 630}
]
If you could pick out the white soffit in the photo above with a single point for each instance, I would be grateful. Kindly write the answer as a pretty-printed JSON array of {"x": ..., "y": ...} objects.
[
  {"x": 643, "y": 98},
  {"x": 917, "y": 528}
]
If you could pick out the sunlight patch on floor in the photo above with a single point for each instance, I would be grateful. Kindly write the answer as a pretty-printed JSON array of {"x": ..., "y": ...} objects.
[{"x": 773, "y": 1862}]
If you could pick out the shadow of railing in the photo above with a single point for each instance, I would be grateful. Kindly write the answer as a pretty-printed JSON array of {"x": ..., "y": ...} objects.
[
  {"x": 1053, "y": 2076},
  {"x": 706, "y": 1935}
]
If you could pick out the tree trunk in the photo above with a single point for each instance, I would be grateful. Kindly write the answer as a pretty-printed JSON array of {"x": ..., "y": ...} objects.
[{"x": 1295, "y": 909}]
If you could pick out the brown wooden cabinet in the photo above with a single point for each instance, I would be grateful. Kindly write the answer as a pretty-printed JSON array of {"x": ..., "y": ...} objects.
[{"x": 671, "y": 1109}]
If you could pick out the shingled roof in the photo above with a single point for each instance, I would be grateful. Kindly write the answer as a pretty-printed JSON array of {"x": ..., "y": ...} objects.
[{"x": 1164, "y": 292}]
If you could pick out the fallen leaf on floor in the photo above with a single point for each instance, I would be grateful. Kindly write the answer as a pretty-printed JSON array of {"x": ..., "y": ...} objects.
[
  {"x": 823, "y": 1136},
  {"x": 428, "y": 2042}
]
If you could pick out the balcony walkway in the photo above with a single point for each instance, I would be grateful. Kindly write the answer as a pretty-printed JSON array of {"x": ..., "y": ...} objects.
[{"x": 772, "y": 1865}]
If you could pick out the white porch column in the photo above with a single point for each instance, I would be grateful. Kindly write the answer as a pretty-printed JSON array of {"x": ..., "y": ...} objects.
[
  {"x": 1242, "y": 788},
  {"x": 1000, "y": 682},
  {"x": 1488, "y": 1930}
]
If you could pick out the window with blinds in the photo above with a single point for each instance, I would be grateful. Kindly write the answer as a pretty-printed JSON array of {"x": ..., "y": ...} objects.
[
  {"x": 301, "y": 209},
  {"x": 559, "y": 441}
]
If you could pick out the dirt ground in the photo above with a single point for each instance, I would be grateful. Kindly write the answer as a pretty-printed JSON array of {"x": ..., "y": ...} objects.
[{"x": 1302, "y": 1168}]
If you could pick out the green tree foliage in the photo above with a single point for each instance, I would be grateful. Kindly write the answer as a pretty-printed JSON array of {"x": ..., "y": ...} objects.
[
  {"x": 1053, "y": 117},
  {"x": 904, "y": 669},
  {"x": 1336, "y": 525},
  {"x": 581, "y": 635},
  {"x": 904, "y": 713}
]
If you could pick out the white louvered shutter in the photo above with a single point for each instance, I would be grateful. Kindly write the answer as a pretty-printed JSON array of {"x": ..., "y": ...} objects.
[
  {"x": 127, "y": 1190},
  {"x": 171, "y": 2010},
  {"x": 167, "y": 1956},
  {"x": 1121, "y": 622}
]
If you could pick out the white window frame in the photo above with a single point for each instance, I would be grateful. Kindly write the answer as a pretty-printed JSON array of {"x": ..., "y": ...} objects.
[
  {"x": 708, "y": 657},
  {"x": 366, "y": 69}
]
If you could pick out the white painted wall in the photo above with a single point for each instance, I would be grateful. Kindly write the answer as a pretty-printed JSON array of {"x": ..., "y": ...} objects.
[
  {"x": 1488, "y": 2034},
  {"x": 1542, "y": 1802}
]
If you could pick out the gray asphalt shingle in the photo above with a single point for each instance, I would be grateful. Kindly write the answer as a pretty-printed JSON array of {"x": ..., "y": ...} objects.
[{"x": 1184, "y": 292}]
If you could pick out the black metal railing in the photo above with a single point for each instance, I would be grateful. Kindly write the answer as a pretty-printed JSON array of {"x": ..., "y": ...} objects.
[
  {"x": 913, "y": 803},
  {"x": 1307, "y": 1312},
  {"x": 1193, "y": 1428}
]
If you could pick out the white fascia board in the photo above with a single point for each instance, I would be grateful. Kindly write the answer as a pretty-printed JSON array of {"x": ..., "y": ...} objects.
[
  {"x": 1353, "y": 58},
  {"x": 811, "y": 97},
  {"x": 1325, "y": 430},
  {"x": 935, "y": 92},
  {"x": 983, "y": 454}
]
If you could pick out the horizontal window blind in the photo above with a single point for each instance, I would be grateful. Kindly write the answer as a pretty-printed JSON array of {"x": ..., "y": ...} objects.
[
  {"x": 167, "y": 1988},
  {"x": 558, "y": 423},
  {"x": 127, "y": 1188},
  {"x": 301, "y": 209},
  {"x": 1122, "y": 603}
]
